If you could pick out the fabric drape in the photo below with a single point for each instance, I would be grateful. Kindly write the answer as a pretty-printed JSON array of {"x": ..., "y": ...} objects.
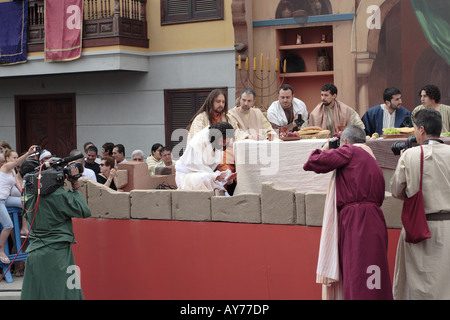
[{"x": 433, "y": 17}]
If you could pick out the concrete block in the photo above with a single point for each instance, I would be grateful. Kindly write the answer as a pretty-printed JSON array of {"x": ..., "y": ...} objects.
[
  {"x": 104, "y": 202},
  {"x": 191, "y": 205},
  {"x": 278, "y": 205},
  {"x": 240, "y": 208},
  {"x": 314, "y": 204},
  {"x": 392, "y": 209},
  {"x": 151, "y": 204},
  {"x": 300, "y": 207}
]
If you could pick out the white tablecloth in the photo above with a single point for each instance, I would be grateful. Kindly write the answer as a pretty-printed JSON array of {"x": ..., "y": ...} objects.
[{"x": 280, "y": 162}]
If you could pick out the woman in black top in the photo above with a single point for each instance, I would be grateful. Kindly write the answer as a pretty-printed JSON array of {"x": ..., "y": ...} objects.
[{"x": 107, "y": 174}]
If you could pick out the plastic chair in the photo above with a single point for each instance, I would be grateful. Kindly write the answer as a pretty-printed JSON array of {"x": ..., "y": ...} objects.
[{"x": 22, "y": 256}]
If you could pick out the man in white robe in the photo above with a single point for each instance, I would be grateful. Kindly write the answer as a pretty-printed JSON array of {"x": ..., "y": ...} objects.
[
  {"x": 284, "y": 111},
  {"x": 196, "y": 169}
]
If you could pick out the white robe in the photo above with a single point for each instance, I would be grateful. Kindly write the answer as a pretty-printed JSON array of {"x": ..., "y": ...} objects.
[
  {"x": 276, "y": 115},
  {"x": 195, "y": 170}
]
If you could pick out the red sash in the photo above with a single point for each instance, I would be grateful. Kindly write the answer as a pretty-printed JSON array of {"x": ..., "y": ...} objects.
[{"x": 413, "y": 214}]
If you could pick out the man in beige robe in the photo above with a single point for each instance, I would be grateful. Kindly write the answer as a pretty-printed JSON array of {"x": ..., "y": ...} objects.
[
  {"x": 252, "y": 124},
  {"x": 430, "y": 96},
  {"x": 421, "y": 269},
  {"x": 331, "y": 114}
]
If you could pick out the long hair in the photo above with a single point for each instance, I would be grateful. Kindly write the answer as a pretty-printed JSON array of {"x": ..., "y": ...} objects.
[{"x": 208, "y": 106}]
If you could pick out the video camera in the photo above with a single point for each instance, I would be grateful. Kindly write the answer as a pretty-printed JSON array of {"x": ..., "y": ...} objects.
[
  {"x": 397, "y": 147},
  {"x": 52, "y": 175}
]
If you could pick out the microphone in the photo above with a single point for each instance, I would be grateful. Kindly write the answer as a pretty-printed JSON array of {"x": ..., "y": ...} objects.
[
  {"x": 71, "y": 158},
  {"x": 62, "y": 161}
]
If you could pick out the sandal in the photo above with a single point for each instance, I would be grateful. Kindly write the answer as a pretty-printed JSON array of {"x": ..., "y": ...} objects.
[{"x": 5, "y": 260}]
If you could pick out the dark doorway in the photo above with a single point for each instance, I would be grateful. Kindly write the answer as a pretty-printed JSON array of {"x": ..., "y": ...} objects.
[
  {"x": 180, "y": 107},
  {"x": 48, "y": 121}
]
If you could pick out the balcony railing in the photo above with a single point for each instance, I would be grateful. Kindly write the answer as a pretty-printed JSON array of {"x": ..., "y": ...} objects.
[{"x": 105, "y": 23}]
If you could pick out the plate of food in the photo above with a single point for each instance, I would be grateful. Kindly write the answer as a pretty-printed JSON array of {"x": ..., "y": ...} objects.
[
  {"x": 393, "y": 133},
  {"x": 290, "y": 136}
]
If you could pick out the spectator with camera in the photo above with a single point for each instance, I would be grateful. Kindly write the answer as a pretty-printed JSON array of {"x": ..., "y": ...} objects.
[
  {"x": 7, "y": 183},
  {"x": 390, "y": 114},
  {"x": 50, "y": 270},
  {"x": 421, "y": 268},
  {"x": 354, "y": 224}
]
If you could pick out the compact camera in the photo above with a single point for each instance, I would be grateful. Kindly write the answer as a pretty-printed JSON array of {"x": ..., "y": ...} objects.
[{"x": 334, "y": 143}]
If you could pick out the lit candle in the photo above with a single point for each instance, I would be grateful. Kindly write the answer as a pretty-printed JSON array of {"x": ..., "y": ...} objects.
[
  {"x": 246, "y": 64},
  {"x": 268, "y": 64},
  {"x": 284, "y": 66},
  {"x": 276, "y": 64},
  {"x": 239, "y": 63},
  {"x": 261, "y": 63},
  {"x": 254, "y": 63}
]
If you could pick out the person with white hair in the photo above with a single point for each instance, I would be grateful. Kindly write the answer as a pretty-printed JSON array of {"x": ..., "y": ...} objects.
[
  {"x": 137, "y": 155},
  {"x": 44, "y": 156}
]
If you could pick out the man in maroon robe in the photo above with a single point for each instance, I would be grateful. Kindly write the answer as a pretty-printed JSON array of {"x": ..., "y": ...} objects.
[{"x": 362, "y": 233}]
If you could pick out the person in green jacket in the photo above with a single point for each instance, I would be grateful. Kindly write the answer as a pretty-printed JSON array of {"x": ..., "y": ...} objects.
[{"x": 50, "y": 270}]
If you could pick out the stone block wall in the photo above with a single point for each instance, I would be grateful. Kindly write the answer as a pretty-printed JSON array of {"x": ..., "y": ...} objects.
[{"x": 273, "y": 206}]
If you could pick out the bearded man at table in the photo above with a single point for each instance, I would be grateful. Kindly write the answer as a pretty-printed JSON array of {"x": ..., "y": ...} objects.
[
  {"x": 284, "y": 111},
  {"x": 198, "y": 167},
  {"x": 353, "y": 246},
  {"x": 390, "y": 114},
  {"x": 252, "y": 124},
  {"x": 331, "y": 114},
  {"x": 214, "y": 110}
]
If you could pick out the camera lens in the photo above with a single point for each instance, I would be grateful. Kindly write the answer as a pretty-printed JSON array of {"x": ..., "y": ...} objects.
[{"x": 397, "y": 147}]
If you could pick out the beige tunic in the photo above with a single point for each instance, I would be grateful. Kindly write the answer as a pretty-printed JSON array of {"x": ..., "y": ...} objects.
[
  {"x": 253, "y": 125},
  {"x": 421, "y": 270},
  {"x": 445, "y": 113},
  {"x": 202, "y": 121}
]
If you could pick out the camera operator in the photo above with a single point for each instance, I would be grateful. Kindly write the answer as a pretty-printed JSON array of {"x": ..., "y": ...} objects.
[
  {"x": 421, "y": 269},
  {"x": 50, "y": 266},
  {"x": 353, "y": 206}
]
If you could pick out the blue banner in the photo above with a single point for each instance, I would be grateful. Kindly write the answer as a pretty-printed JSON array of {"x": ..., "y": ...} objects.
[{"x": 13, "y": 32}]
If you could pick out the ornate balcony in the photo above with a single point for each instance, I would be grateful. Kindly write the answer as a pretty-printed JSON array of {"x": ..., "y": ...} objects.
[{"x": 105, "y": 23}]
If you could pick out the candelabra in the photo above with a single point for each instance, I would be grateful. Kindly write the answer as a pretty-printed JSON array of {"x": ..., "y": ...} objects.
[{"x": 263, "y": 80}]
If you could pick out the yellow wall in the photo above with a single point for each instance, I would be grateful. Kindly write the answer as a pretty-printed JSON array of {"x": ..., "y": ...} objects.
[{"x": 188, "y": 36}]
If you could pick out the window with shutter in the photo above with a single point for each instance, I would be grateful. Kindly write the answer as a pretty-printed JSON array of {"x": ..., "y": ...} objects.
[
  {"x": 179, "y": 108},
  {"x": 184, "y": 11}
]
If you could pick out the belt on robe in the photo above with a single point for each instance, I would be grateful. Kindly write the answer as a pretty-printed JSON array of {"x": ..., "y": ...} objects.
[
  {"x": 439, "y": 216},
  {"x": 356, "y": 203}
]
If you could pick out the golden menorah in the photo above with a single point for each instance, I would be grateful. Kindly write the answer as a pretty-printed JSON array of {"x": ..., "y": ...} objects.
[{"x": 264, "y": 82}]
